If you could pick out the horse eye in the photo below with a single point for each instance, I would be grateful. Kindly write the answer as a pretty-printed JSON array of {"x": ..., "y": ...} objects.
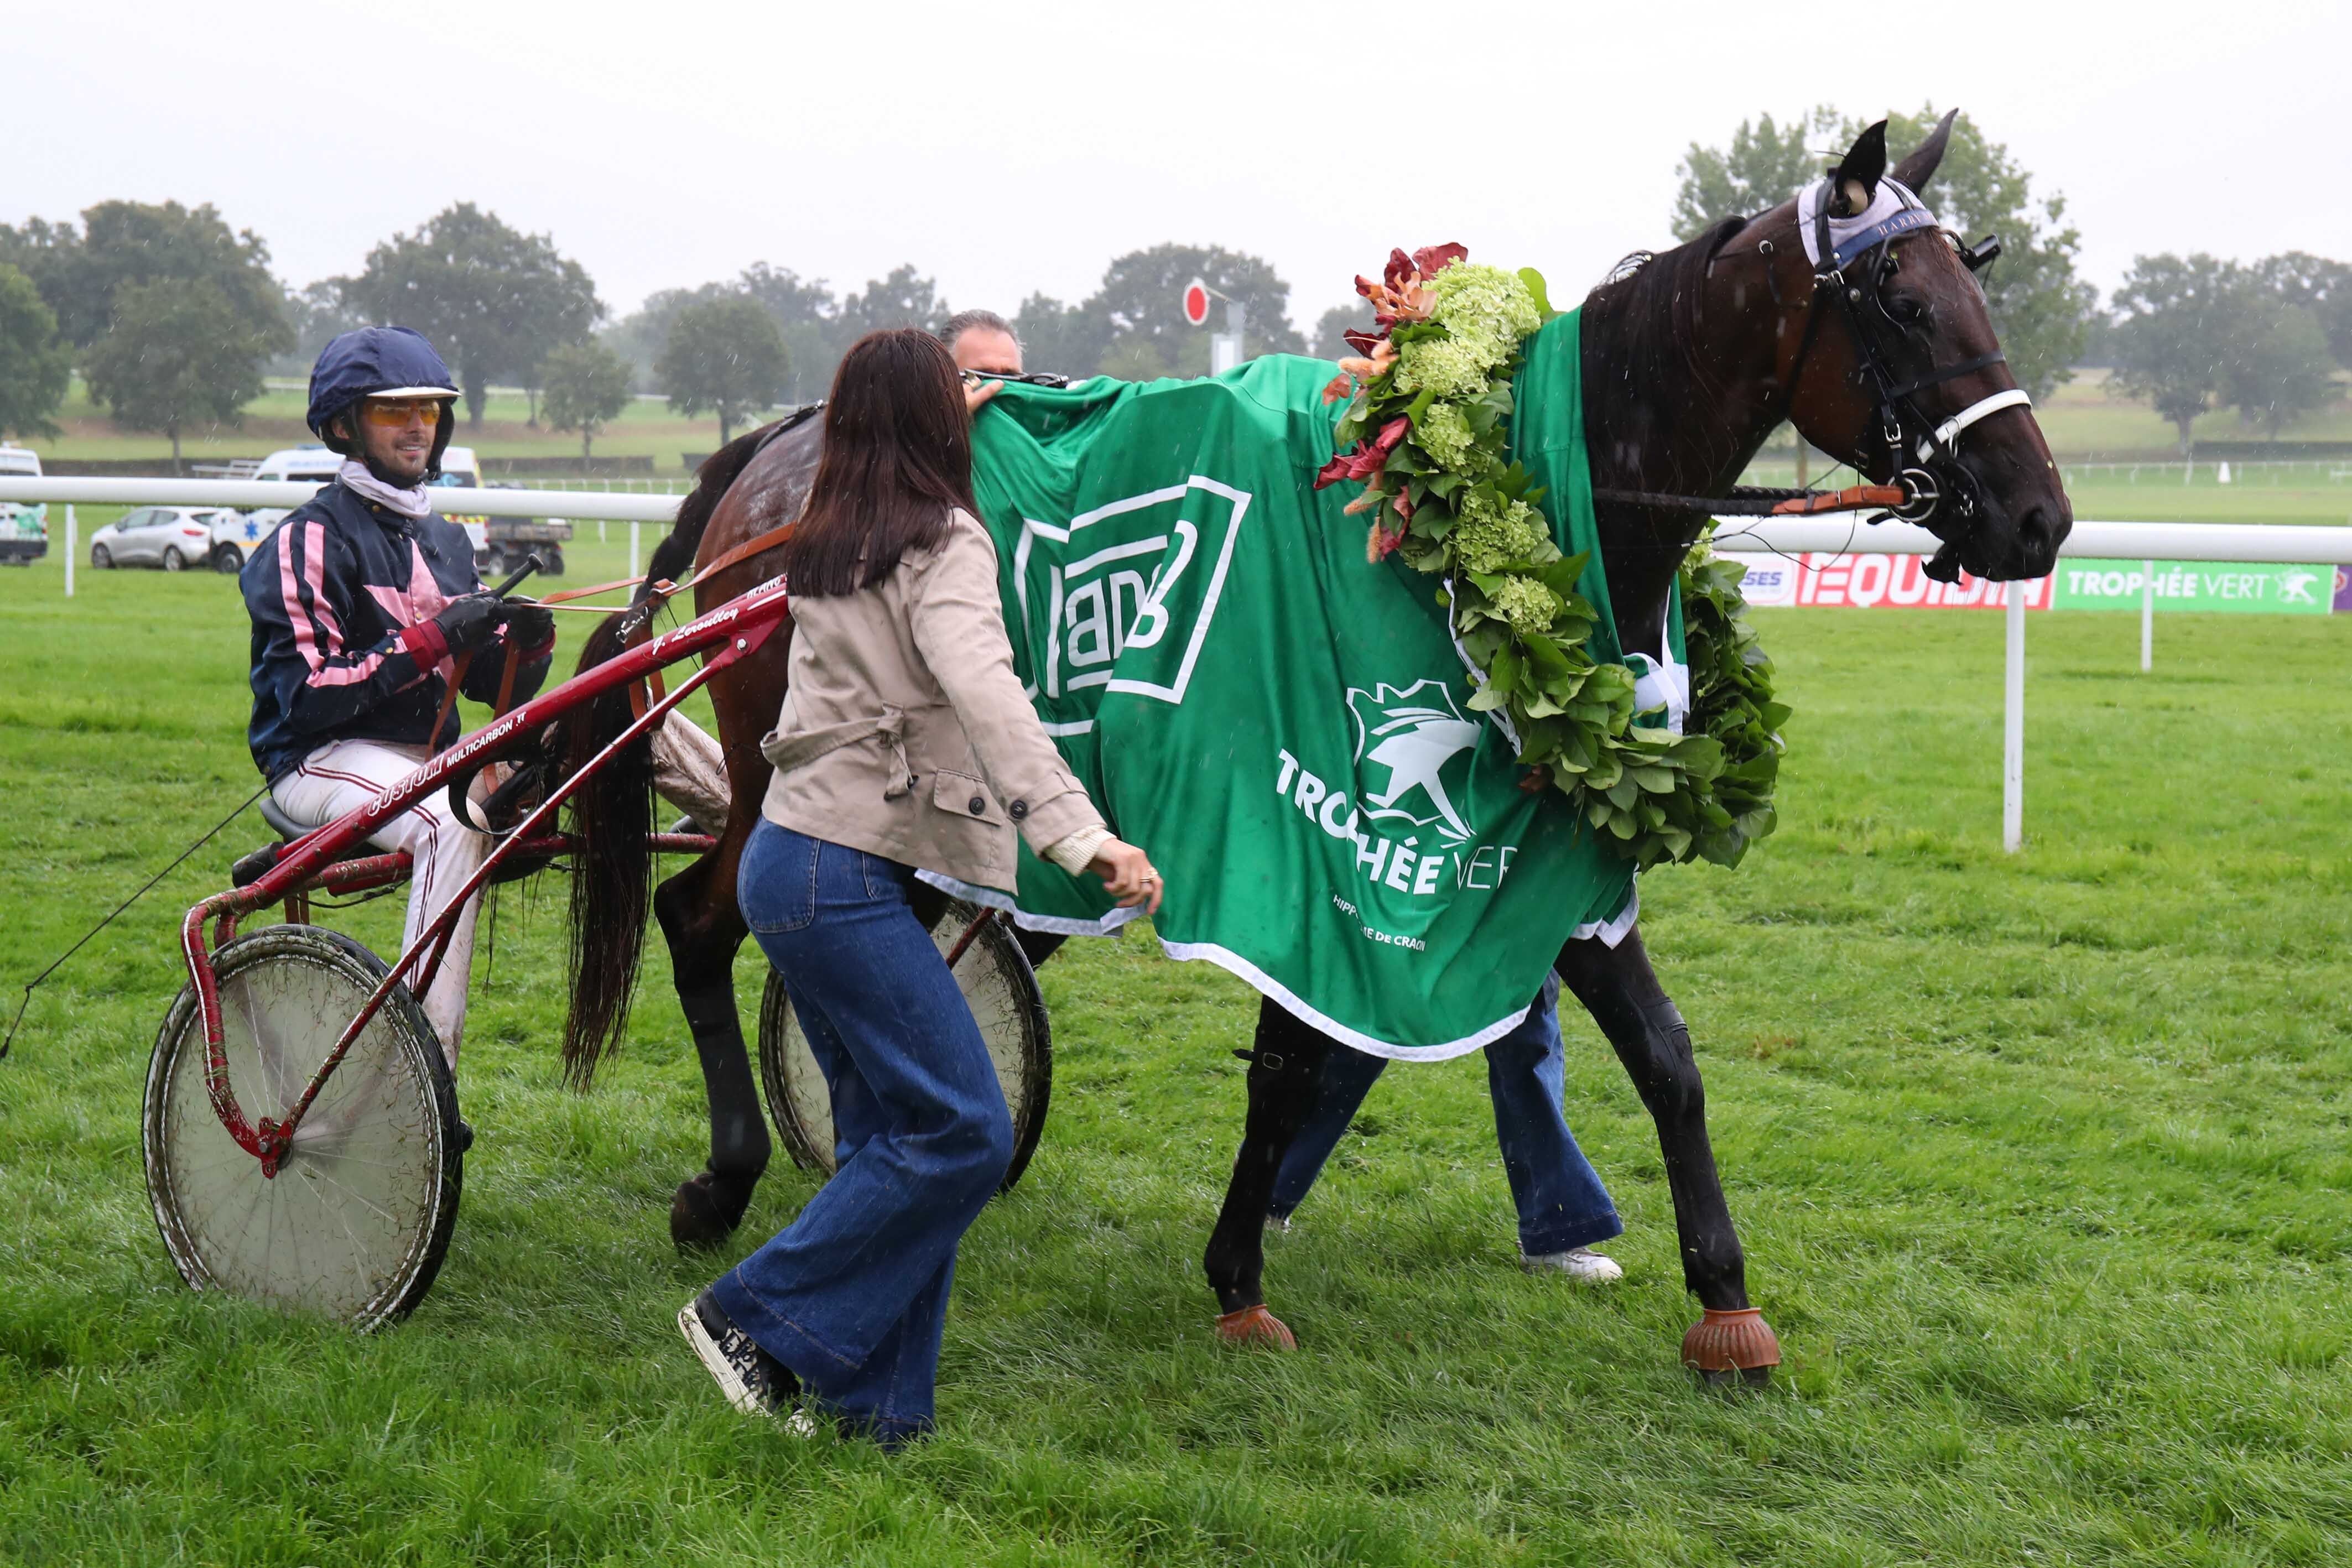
[{"x": 1905, "y": 310}]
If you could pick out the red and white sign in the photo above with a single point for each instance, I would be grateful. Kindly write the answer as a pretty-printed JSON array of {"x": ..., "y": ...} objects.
[
  {"x": 1196, "y": 303},
  {"x": 1875, "y": 582}
]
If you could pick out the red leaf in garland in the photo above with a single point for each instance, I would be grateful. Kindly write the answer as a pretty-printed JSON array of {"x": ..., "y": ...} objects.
[
  {"x": 1364, "y": 342},
  {"x": 1400, "y": 268},
  {"x": 1369, "y": 457},
  {"x": 1431, "y": 259}
]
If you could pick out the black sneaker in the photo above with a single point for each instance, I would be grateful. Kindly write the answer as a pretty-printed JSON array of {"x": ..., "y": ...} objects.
[{"x": 754, "y": 1381}]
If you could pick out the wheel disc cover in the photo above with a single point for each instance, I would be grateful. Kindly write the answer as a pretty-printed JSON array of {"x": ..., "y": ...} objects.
[{"x": 349, "y": 1221}]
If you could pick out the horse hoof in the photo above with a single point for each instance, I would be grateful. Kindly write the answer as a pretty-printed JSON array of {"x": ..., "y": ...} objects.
[
  {"x": 1256, "y": 1325},
  {"x": 1731, "y": 1343},
  {"x": 697, "y": 1215}
]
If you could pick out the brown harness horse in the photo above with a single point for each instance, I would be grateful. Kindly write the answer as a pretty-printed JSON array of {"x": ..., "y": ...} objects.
[{"x": 1689, "y": 361}]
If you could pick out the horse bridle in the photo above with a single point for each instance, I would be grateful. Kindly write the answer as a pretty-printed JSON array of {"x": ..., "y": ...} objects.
[{"x": 1921, "y": 451}]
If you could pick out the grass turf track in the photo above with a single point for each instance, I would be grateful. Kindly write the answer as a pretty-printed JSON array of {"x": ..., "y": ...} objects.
[
  {"x": 2082, "y": 418},
  {"x": 2041, "y": 1162}
]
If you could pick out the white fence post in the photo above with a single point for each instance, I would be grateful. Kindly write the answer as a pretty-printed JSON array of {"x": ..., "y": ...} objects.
[
  {"x": 635, "y": 530},
  {"x": 2147, "y": 616},
  {"x": 2012, "y": 745},
  {"x": 73, "y": 548}
]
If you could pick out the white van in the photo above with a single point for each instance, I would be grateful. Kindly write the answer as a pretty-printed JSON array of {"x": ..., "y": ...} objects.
[
  {"x": 24, "y": 525},
  {"x": 316, "y": 464}
]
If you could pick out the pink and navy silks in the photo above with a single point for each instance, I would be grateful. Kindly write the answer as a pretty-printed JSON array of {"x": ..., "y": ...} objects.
[{"x": 342, "y": 595}]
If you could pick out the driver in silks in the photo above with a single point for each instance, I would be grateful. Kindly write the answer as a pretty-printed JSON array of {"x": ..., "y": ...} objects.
[{"x": 363, "y": 602}]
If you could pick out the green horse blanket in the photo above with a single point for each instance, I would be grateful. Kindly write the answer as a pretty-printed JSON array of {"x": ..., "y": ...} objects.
[{"x": 1284, "y": 726}]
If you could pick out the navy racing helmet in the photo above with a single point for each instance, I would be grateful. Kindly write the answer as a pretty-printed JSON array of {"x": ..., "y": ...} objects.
[{"x": 381, "y": 362}]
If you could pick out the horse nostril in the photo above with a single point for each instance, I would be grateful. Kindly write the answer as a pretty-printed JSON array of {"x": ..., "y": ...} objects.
[{"x": 2037, "y": 537}]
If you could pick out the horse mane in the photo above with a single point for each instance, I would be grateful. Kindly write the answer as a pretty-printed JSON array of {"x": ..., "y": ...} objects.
[
  {"x": 1642, "y": 337},
  {"x": 673, "y": 559}
]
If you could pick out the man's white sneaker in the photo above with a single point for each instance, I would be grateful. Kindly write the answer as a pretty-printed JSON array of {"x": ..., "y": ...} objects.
[{"x": 1581, "y": 1264}]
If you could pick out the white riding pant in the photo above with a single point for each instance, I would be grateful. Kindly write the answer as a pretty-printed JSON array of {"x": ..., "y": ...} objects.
[{"x": 337, "y": 779}]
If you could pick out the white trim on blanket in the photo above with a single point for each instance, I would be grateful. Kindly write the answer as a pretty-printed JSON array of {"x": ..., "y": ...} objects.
[
  {"x": 1225, "y": 958},
  {"x": 1052, "y": 924},
  {"x": 1612, "y": 932}
]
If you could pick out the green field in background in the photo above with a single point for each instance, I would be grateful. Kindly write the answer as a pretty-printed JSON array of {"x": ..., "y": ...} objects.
[
  {"x": 2040, "y": 1159},
  {"x": 2081, "y": 420}
]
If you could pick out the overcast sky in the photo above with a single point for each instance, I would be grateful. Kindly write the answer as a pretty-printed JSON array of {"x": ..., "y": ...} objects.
[{"x": 1012, "y": 147}]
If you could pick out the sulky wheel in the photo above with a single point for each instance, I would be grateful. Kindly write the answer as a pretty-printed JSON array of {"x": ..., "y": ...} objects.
[
  {"x": 354, "y": 1224},
  {"x": 1002, "y": 991}
]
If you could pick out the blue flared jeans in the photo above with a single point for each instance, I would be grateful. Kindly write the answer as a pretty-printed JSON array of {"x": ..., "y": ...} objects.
[
  {"x": 1558, "y": 1195},
  {"x": 853, "y": 1294}
]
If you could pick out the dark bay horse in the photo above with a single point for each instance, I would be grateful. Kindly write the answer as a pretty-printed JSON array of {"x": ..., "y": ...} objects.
[{"x": 1690, "y": 360}]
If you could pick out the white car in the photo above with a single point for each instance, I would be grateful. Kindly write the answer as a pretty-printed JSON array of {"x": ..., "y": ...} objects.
[
  {"x": 24, "y": 525},
  {"x": 316, "y": 464},
  {"x": 174, "y": 538}
]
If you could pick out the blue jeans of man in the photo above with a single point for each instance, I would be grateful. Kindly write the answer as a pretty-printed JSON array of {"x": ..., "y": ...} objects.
[
  {"x": 853, "y": 1294},
  {"x": 1558, "y": 1195}
]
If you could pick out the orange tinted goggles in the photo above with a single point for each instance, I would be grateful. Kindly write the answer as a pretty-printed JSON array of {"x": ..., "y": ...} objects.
[{"x": 393, "y": 413}]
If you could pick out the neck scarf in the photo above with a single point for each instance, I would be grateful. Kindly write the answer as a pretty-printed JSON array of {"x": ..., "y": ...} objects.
[{"x": 414, "y": 503}]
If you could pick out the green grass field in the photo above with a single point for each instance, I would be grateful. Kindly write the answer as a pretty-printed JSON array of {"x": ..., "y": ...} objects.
[
  {"x": 2083, "y": 421},
  {"x": 2041, "y": 1161},
  {"x": 274, "y": 419}
]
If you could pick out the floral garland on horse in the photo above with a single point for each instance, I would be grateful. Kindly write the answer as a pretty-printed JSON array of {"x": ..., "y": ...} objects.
[{"x": 1427, "y": 430}]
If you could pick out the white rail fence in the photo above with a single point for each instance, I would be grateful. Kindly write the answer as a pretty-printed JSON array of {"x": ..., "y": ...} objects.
[{"x": 2145, "y": 542}]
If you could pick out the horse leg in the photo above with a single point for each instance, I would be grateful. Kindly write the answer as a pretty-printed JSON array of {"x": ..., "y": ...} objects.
[
  {"x": 1286, "y": 1066},
  {"x": 1621, "y": 992},
  {"x": 699, "y": 916}
]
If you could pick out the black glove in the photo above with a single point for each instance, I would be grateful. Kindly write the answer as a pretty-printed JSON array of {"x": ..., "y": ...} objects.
[
  {"x": 527, "y": 625},
  {"x": 470, "y": 622}
]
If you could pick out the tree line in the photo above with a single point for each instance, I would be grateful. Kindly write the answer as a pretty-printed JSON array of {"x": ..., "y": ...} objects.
[
  {"x": 2185, "y": 335},
  {"x": 171, "y": 317}
]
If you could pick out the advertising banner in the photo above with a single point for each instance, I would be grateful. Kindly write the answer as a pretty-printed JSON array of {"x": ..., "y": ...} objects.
[
  {"x": 1874, "y": 581},
  {"x": 2228, "y": 587},
  {"x": 1898, "y": 582}
]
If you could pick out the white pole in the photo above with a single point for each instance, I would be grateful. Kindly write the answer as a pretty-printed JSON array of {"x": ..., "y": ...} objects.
[
  {"x": 635, "y": 530},
  {"x": 2147, "y": 616},
  {"x": 2013, "y": 740},
  {"x": 73, "y": 548}
]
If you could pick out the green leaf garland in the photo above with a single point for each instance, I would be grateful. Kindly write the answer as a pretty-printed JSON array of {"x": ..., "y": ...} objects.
[{"x": 1427, "y": 429}]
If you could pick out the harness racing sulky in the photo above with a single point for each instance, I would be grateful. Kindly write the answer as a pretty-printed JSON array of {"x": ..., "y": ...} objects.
[{"x": 1203, "y": 637}]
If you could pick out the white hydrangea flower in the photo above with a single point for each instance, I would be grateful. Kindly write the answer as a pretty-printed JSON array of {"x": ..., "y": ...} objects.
[
  {"x": 1526, "y": 604},
  {"x": 1490, "y": 536},
  {"x": 1443, "y": 433}
]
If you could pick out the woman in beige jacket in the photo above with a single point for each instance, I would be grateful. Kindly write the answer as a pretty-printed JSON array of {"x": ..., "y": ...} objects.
[{"x": 906, "y": 744}]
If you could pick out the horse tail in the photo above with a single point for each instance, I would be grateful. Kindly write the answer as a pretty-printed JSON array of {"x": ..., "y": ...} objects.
[
  {"x": 613, "y": 813},
  {"x": 611, "y": 864}
]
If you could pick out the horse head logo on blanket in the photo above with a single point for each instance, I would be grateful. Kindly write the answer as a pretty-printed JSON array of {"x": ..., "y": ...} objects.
[{"x": 1416, "y": 734}]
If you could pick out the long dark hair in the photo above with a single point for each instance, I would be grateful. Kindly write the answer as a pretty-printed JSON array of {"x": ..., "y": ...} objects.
[{"x": 897, "y": 456}]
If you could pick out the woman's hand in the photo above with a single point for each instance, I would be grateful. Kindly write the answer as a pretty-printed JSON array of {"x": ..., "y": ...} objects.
[{"x": 1127, "y": 875}]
